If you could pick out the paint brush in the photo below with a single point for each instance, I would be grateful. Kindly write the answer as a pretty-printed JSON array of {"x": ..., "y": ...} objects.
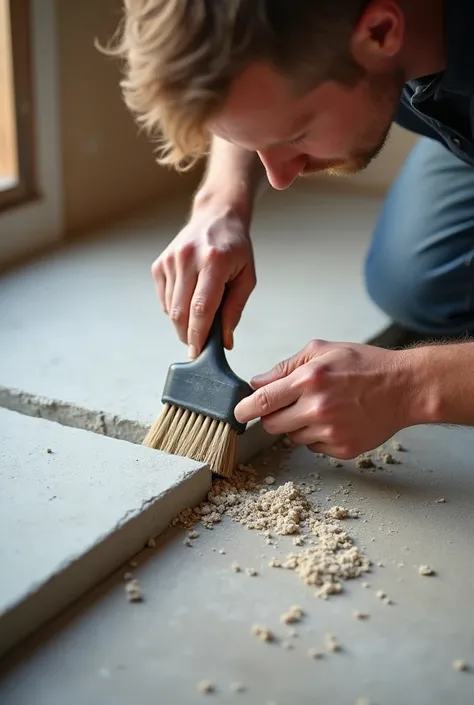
[{"x": 197, "y": 420}]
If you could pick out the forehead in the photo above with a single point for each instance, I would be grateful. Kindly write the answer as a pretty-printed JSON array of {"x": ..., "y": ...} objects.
[{"x": 261, "y": 109}]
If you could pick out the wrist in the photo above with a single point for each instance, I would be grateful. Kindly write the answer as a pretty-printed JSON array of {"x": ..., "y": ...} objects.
[
  {"x": 421, "y": 396},
  {"x": 233, "y": 201}
]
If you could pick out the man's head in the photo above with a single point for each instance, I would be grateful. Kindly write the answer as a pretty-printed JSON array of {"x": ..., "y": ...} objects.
[{"x": 311, "y": 86}]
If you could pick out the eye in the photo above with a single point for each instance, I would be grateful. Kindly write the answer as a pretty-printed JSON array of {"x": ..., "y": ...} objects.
[{"x": 298, "y": 141}]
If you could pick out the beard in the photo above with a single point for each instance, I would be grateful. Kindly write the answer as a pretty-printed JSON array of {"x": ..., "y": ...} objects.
[{"x": 384, "y": 95}]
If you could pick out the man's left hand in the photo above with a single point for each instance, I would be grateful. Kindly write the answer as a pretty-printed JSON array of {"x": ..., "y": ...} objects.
[{"x": 341, "y": 399}]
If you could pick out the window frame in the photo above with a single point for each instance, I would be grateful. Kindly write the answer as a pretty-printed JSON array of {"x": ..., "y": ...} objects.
[
  {"x": 36, "y": 224},
  {"x": 26, "y": 187}
]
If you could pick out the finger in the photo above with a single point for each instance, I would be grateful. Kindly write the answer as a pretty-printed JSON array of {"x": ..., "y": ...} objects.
[
  {"x": 204, "y": 304},
  {"x": 309, "y": 435},
  {"x": 278, "y": 372},
  {"x": 238, "y": 292},
  {"x": 160, "y": 283},
  {"x": 170, "y": 275},
  {"x": 286, "y": 367},
  {"x": 286, "y": 420},
  {"x": 327, "y": 449},
  {"x": 184, "y": 287},
  {"x": 266, "y": 400}
]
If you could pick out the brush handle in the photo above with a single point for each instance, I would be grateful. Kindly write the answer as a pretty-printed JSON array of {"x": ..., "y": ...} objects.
[
  {"x": 215, "y": 339},
  {"x": 208, "y": 385}
]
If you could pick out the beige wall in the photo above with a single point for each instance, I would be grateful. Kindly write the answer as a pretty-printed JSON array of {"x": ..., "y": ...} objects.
[{"x": 107, "y": 167}]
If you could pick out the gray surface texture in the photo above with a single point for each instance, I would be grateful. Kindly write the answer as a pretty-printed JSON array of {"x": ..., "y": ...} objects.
[
  {"x": 196, "y": 618},
  {"x": 69, "y": 517}
]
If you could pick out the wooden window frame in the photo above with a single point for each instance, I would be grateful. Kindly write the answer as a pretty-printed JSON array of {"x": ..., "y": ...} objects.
[{"x": 26, "y": 187}]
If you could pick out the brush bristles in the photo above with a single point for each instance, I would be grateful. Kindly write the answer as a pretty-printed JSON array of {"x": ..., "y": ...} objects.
[{"x": 191, "y": 435}]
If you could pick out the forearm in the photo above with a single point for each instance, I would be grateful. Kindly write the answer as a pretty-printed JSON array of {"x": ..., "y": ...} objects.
[
  {"x": 233, "y": 175},
  {"x": 442, "y": 388}
]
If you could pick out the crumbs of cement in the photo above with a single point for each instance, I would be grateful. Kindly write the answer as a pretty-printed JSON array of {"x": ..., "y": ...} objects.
[
  {"x": 254, "y": 440},
  {"x": 71, "y": 415}
]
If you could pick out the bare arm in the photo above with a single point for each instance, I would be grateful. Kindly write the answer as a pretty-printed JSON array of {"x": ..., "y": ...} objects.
[
  {"x": 233, "y": 175},
  {"x": 446, "y": 383},
  {"x": 213, "y": 251}
]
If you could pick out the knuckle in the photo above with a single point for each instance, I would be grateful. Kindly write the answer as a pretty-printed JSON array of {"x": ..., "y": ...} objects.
[
  {"x": 194, "y": 335},
  {"x": 281, "y": 368},
  {"x": 314, "y": 376},
  {"x": 213, "y": 254},
  {"x": 305, "y": 378},
  {"x": 314, "y": 346},
  {"x": 176, "y": 314},
  {"x": 200, "y": 307},
  {"x": 156, "y": 269},
  {"x": 321, "y": 371},
  {"x": 185, "y": 252},
  {"x": 318, "y": 413},
  {"x": 263, "y": 399},
  {"x": 331, "y": 435},
  {"x": 169, "y": 258}
]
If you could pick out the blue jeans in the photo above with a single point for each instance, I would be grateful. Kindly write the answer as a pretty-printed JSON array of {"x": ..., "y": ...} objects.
[{"x": 420, "y": 268}]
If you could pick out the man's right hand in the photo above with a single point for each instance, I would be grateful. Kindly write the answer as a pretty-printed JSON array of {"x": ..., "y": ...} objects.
[{"x": 213, "y": 250}]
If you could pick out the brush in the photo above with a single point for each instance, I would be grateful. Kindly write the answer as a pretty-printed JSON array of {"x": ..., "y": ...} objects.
[{"x": 197, "y": 420}]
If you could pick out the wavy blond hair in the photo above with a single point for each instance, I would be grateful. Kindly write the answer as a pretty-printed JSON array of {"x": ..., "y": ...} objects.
[{"x": 181, "y": 56}]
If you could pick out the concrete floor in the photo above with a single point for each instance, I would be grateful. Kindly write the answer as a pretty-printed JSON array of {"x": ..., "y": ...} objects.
[
  {"x": 84, "y": 342},
  {"x": 83, "y": 327},
  {"x": 196, "y": 618},
  {"x": 73, "y": 506}
]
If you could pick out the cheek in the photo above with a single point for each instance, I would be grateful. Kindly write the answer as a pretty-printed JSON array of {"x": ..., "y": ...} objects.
[
  {"x": 329, "y": 140},
  {"x": 339, "y": 129}
]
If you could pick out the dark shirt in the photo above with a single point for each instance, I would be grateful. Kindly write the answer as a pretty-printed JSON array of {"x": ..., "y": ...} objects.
[{"x": 441, "y": 106}]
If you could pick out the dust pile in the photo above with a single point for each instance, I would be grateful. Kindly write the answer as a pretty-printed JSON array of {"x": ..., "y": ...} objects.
[{"x": 328, "y": 554}]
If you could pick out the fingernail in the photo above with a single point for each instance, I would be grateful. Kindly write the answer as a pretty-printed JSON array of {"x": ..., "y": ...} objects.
[{"x": 192, "y": 352}]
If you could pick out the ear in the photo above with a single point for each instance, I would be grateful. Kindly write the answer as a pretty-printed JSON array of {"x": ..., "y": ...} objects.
[{"x": 379, "y": 34}]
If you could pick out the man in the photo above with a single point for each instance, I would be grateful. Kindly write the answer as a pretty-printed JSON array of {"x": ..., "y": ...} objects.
[{"x": 298, "y": 87}]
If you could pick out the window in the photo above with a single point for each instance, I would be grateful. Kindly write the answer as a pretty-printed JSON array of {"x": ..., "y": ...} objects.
[
  {"x": 31, "y": 206},
  {"x": 17, "y": 182}
]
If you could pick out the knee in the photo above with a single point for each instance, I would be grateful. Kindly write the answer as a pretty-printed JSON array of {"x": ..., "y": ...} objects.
[
  {"x": 420, "y": 268},
  {"x": 397, "y": 282},
  {"x": 422, "y": 294}
]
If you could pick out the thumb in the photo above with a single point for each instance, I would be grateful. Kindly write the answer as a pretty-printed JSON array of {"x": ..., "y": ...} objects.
[
  {"x": 286, "y": 367},
  {"x": 238, "y": 292}
]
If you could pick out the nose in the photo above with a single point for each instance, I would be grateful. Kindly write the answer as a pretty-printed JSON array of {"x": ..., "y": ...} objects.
[{"x": 282, "y": 169}]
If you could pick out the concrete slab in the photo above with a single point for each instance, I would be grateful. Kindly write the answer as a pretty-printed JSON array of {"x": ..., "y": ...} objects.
[
  {"x": 195, "y": 621},
  {"x": 82, "y": 329},
  {"x": 70, "y": 516}
]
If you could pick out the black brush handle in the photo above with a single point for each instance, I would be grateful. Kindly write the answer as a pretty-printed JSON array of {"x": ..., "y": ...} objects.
[
  {"x": 214, "y": 345},
  {"x": 207, "y": 384},
  {"x": 212, "y": 358}
]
